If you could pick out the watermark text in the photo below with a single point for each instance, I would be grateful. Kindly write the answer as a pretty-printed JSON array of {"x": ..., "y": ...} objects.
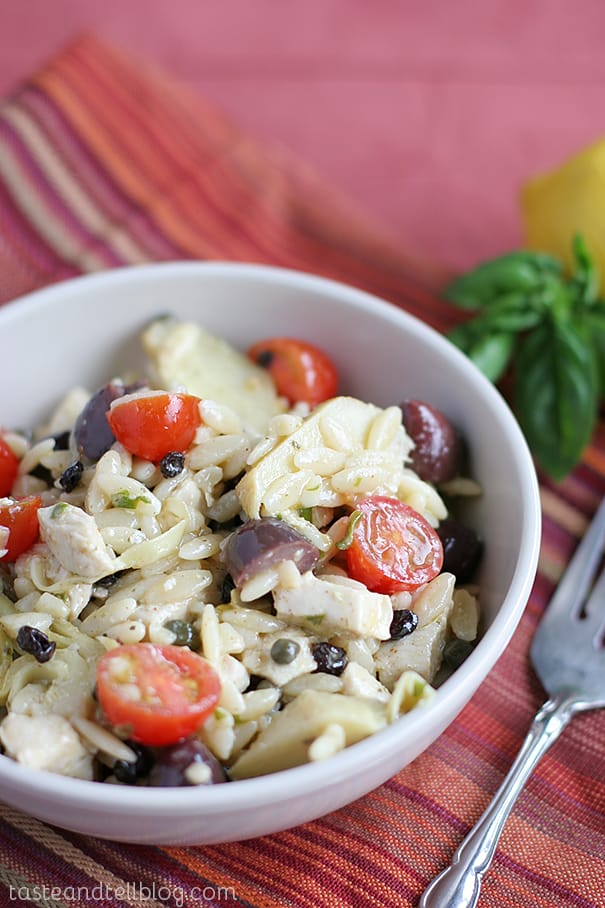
[{"x": 128, "y": 892}]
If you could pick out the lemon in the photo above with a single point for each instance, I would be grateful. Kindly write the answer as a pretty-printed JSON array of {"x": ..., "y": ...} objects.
[{"x": 566, "y": 201}]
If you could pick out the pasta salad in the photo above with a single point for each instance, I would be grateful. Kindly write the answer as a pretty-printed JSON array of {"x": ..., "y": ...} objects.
[{"x": 225, "y": 567}]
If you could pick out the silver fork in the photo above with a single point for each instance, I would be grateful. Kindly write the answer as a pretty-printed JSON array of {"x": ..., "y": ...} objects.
[{"x": 569, "y": 659}]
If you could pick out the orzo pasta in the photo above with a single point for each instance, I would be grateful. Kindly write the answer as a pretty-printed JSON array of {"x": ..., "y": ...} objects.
[{"x": 205, "y": 580}]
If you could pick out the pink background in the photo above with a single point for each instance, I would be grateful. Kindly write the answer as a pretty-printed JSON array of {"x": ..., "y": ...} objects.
[{"x": 429, "y": 114}]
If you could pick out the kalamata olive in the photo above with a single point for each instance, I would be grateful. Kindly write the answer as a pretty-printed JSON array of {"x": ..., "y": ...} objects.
[
  {"x": 183, "y": 764},
  {"x": 437, "y": 453},
  {"x": 462, "y": 548},
  {"x": 92, "y": 434},
  {"x": 264, "y": 543}
]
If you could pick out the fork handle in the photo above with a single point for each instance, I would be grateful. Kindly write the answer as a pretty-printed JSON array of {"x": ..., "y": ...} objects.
[{"x": 458, "y": 886}]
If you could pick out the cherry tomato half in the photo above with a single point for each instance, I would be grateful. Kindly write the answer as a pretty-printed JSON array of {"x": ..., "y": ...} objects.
[
  {"x": 20, "y": 517},
  {"x": 153, "y": 425},
  {"x": 301, "y": 372},
  {"x": 161, "y": 694},
  {"x": 393, "y": 547},
  {"x": 9, "y": 464}
]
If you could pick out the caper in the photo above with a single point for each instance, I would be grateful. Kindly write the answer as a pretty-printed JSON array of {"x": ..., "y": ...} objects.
[
  {"x": 183, "y": 632},
  {"x": 284, "y": 651}
]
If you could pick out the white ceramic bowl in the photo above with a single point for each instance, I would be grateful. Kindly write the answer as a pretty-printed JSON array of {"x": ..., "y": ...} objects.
[{"x": 85, "y": 331}]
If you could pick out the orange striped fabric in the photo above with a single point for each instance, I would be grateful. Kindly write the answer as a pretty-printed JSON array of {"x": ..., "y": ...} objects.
[{"x": 106, "y": 162}]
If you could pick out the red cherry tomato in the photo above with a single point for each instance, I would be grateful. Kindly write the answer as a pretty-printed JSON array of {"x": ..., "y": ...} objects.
[
  {"x": 301, "y": 372},
  {"x": 9, "y": 463},
  {"x": 393, "y": 547},
  {"x": 153, "y": 425},
  {"x": 21, "y": 519},
  {"x": 159, "y": 693}
]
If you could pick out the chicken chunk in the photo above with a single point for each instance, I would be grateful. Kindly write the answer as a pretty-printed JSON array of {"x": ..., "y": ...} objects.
[
  {"x": 46, "y": 742},
  {"x": 334, "y": 604},
  {"x": 75, "y": 541}
]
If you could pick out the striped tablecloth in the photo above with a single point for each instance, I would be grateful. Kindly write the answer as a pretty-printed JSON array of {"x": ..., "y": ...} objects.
[{"x": 106, "y": 162}]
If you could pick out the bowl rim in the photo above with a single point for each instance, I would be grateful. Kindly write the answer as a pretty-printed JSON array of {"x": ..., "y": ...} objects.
[{"x": 449, "y": 698}]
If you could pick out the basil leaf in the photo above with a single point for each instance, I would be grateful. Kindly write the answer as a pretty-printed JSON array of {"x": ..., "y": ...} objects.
[
  {"x": 463, "y": 336},
  {"x": 487, "y": 338},
  {"x": 513, "y": 312},
  {"x": 516, "y": 272},
  {"x": 556, "y": 392},
  {"x": 586, "y": 278},
  {"x": 488, "y": 347},
  {"x": 491, "y": 353},
  {"x": 595, "y": 326},
  {"x": 553, "y": 297}
]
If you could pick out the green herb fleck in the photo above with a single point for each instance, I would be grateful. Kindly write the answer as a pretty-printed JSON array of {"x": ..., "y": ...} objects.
[
  {"x": 315, "y": 619},
  {"x": 306, "y": 514},
  {"x": 347, "y": 539},
  {"x": 124, "y": 499},
  {"x": 58, "y": 509}
]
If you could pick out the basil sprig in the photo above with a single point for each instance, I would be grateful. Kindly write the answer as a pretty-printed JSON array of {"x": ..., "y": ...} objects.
[{"x": 548, "y": 329}]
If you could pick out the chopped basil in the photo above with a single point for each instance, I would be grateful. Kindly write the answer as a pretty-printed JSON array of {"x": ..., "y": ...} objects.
[
  {"x": 315, "y": 619},
  {"x": 347, "y": 540},
  {"x": 125, "y": 500}
]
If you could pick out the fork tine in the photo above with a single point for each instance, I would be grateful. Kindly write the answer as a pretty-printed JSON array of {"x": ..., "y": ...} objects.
[
  {"x": 595, "y": 606},
  {"x": 576, "y": 580}
]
